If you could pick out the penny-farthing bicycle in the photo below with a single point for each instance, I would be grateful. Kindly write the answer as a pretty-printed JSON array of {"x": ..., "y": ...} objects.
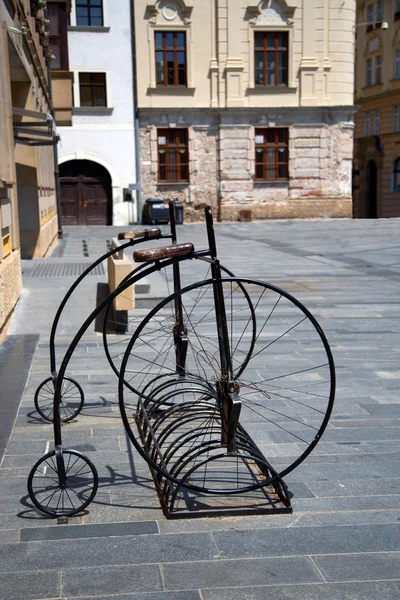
[{"x": 213, "y": 381}]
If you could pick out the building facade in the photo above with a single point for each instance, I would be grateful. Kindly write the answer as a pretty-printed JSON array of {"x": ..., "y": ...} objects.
[
  {"x": 28, "y": 215},
  {"x": 377, "y": 94},
  {"x": 247, "y": 104},
  {"x": 97, "y": 154}
]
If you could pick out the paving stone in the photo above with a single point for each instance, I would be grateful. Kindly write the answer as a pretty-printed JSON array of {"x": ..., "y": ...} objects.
[
  {"x": 87, "y": 531},
  {"x": 309, "y": 540},
  {"x": 328, "y": 591},
  {"x": 38, "y": 584},
  {"x": 195, "y": 575},
  {"x": 106, "y": 551},
  {"x": 369, "y": 567},
  {"x": 114, "y": 580},
  {"x": 9, "y": 535},
  {"x": 186, "y": 595}
]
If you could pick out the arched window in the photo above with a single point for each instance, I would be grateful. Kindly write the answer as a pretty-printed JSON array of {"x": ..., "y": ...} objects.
[{"x": 396, "y": 175}]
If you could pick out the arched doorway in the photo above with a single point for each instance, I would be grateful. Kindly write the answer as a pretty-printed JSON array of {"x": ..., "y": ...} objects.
[
  {"x": 86, "y": 197},
  {"x": 371, "y": 191}
]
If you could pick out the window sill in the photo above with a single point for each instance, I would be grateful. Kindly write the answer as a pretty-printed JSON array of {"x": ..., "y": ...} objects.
[
  {"x": 92, "y": 110},
  {"x": 172, "y": 184},
  {"x": 88, "y": 28},
  {"x": 268, "y": 181},
  {"x": 266, "y": 89},
  {"x": 170, "y": 90}
]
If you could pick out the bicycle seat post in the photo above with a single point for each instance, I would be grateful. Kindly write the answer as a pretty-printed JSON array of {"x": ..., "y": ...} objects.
[
  {"x": 172, "y": 219},
  {"x": 210, "y": 227}
]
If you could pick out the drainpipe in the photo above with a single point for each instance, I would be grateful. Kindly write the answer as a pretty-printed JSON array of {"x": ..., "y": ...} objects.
[
  {"x": 55, "y": 152},
  {"x": 137, "y": 186}
]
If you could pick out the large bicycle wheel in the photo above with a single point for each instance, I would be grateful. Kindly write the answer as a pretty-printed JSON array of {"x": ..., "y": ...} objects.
[
  {"x": 54, "y": 499},
  {"x": 118, "y": 329},
  {"x": 72, "y": 399},
  {"x": 286, "y": 389}
]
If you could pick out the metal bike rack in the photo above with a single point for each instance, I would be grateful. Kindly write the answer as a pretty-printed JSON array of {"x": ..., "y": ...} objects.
[{"x": 193, "y": 372}]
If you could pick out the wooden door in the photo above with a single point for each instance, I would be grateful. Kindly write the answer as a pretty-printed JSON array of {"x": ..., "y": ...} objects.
[
  {"x": 69, "y": 203},
  {"x": 85, "y": 193}
]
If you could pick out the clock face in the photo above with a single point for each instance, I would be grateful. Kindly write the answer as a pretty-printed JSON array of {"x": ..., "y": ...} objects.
[{"x": 169, "y": 12}]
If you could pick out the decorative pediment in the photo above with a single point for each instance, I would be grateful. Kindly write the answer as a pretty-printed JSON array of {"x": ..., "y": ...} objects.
[
  {"x": 271, "y": 12},
  {"x": 164, "y": 12},
  {"x": 396, "y": 38},
  {"x": 374, "y": 45}
]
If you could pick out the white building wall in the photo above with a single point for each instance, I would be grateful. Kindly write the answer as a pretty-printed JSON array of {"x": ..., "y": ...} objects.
[{"x": 104, "y": 136}]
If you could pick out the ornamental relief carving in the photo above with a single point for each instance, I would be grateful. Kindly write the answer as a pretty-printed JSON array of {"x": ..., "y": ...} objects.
[
  {"x": 271, "y": 12},
  {"x": 167, "y": 11}
]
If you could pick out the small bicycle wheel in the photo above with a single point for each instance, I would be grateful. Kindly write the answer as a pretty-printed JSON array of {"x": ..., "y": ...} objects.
[
  {"x": 119, "y": 329},
  {"x": 72, "y": 399},
  {"x": 286, "y": 389},
  {"x": 74, "y": 496}
]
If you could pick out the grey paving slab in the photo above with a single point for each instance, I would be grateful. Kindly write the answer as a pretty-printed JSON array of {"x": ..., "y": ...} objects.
[
  {"x": 317, "y": 591},
  {"x": 309, "y": 540},
  {"x": 114, "y": 580},
  {"x": 106, "y": 551},
  {"x": 186, "y": 595},
  {"x": 33, "y": 585},
  {"x": 16, "y": 354},
  {"x": 88, "y": 531},
  {"x": 239, "y": 572},
  {"x": 369, "y": 567}
]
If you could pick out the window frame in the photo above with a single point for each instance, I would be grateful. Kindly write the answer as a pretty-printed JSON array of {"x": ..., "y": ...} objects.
[
  {"x": 264, "y": 147},
  {"x": 277, "y": 50},
  {"x": 395, "y": 118},
  {"x": 84, "y": 3},
  {"x": 378, "y": 69},
  {"x": 93, "y": 85},
  {"x": 165, "y": 50},
  {"x": 369, "y": 73},
  {"x": 62, "y": 35},
  {"x": 397, "y": 64},
  {"x": 367, "y": 124},
  {"x": 396, "y": 175},
  {"x": 176, "y": 146},
  {"x": 377, "y": 122}
]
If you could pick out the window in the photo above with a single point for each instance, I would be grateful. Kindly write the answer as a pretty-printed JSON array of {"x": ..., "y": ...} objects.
[
  {"x": 170, "y": 58},
  {"x": 379, "y": 11},
  {"x": 369, "y": 72},
  {"x": 396, "y": 175},
  {"x": 378, "y": 69},
  {"x": 367, "y": 120},
  {"x": 397, "y": 10},
  {"x": 89, "y": 12},
  {"x": 271, "y": 58},
  {"x": 173, "y": 155},
  {"x": 272, "y": 154},
  {"x": 370, "y": 13},
  {"x": 92, "y": 88},
  {"x": 397, "y": 65},
  {"x": 395, "y": 118},
  {"x": 377, "y": 122},
  {"x": 58, "y": 39}
]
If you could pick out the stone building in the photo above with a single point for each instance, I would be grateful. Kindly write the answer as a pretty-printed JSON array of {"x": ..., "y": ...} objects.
[
  {"x": 377, "y": 93},
  {"x": 28, "y": 215},
  {"x": 248, "y": 104},
  {"x": 97, "y": 154}
]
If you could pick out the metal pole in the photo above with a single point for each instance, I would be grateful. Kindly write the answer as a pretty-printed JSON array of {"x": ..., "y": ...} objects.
[
  {"x": 136, "y": 116},
  {"x": 55, "y": 153}
]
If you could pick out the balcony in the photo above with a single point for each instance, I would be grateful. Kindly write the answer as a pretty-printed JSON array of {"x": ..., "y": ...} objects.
[{"x": 61, "y": 82}]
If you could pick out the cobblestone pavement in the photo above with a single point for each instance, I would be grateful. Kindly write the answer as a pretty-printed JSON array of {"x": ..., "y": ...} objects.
[{"x": 342, "y": 540}]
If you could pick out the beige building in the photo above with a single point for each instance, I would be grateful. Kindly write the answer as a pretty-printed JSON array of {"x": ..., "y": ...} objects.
[
  {"x": 377, "y": 93},
  {"x": 28, "y": 216},
  {"x": 247, "y": 104}
]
